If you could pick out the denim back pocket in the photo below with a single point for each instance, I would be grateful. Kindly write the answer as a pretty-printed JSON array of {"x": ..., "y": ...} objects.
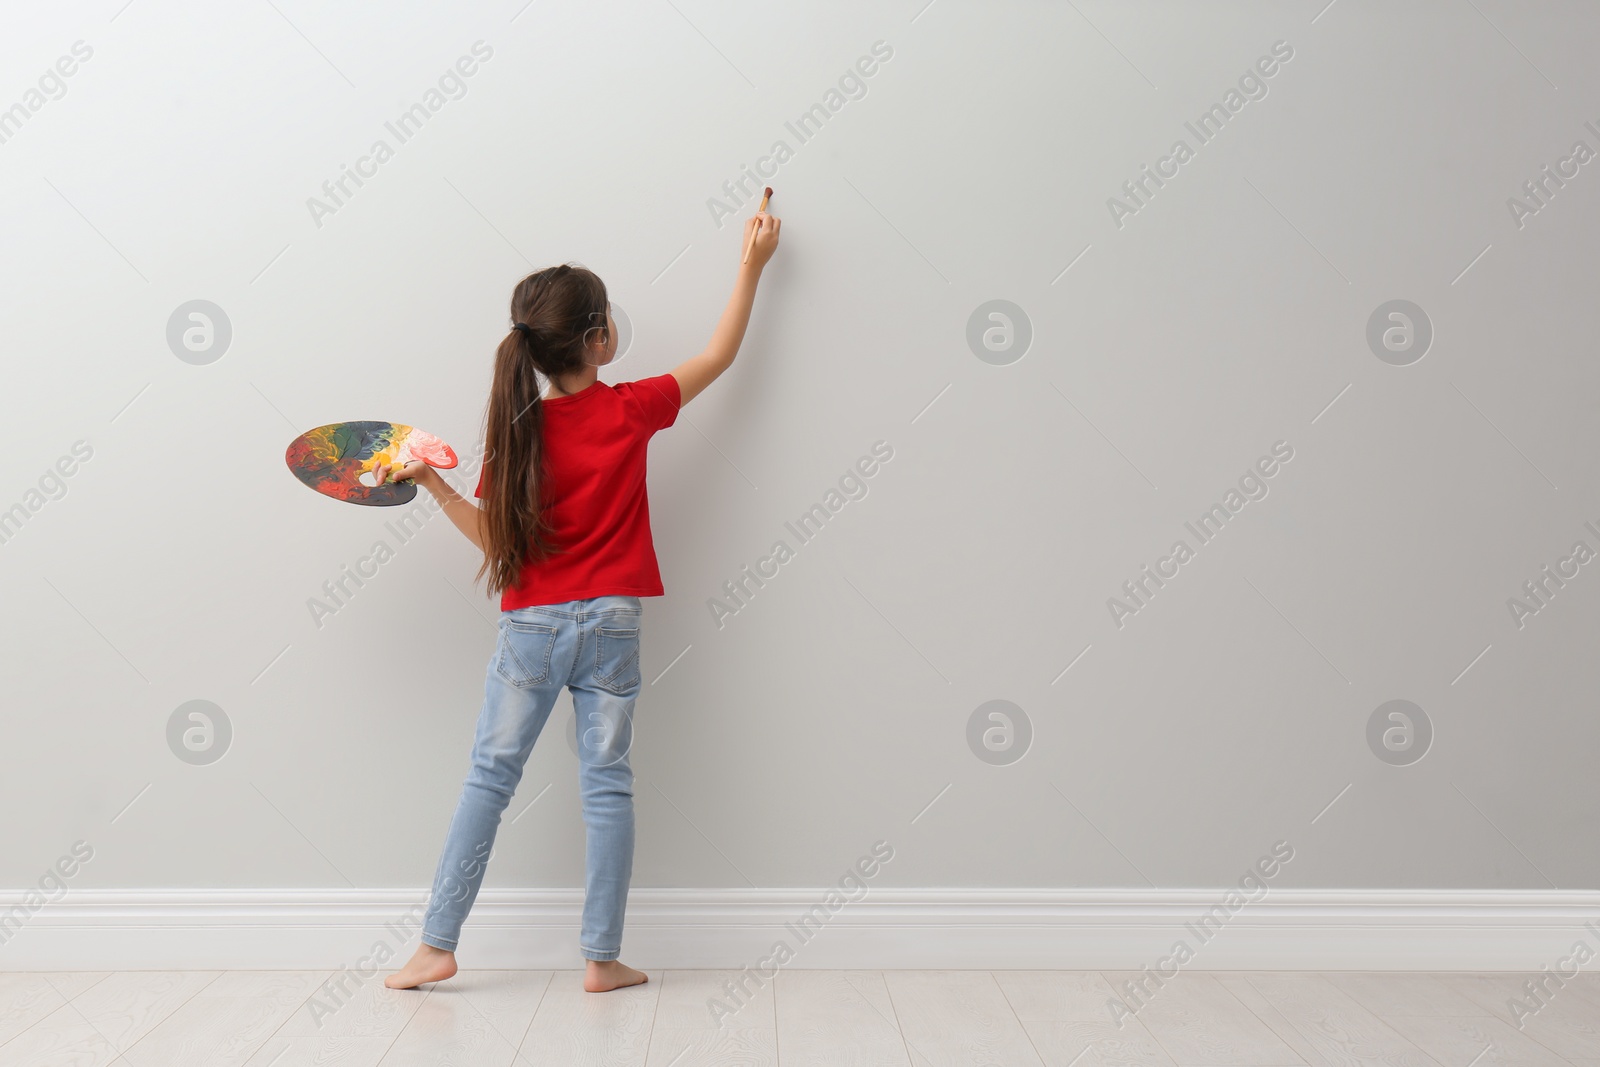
[
  {"x": 616, "y": 658},
  {"x": 525, "y": 650}
]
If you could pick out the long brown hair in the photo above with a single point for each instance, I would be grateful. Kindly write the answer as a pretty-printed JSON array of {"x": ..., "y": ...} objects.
[{"x": 559, "y": 306}]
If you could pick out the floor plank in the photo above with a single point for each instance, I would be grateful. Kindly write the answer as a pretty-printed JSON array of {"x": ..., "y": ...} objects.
[
  {"x": 476, "y": 1019},
  {"x": 345, "y": 1022},
  {"x": 62, "y": 1038},
  {"x": 1460, "y": 1040},
  {"x": 26, "y": 997},
  {"x": 1068, "y": 1015},
  {"x": 715, "y": 1017},
  {"x": 1336, "y": 1028},
  {"x": 129, "y": 1004},
  {"x": 71, "y": 983},
  {"x": 1392, "y": 995},
  {"x": 1567, "y": 1024},
  {"x": 579, "y": 1029},
  {"x": 1587, "y": 985},
  {"x": 705, "y": 1047},
  {"x": 1199, "y": 1023},
  {"x": 1490, "y": 992},
  {"x": 1238, "y": 983},
  {"x": 717, "y": 1000},
  {"x": 227, "y": 1021},
  {"x": 958, "y": 1018},
  {"x": 837, "y": 1019}
]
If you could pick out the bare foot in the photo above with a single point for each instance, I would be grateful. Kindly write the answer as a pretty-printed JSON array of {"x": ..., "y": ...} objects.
[
  {"x": 602, "y": 976},
  {"x": 427, "y": 964}
]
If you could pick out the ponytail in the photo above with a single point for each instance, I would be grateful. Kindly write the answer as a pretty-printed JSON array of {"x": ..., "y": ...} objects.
[{"x": 550, "y": 312}]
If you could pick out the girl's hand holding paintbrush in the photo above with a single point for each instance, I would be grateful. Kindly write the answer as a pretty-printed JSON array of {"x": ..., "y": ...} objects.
[{"x": 761, "y": 235}]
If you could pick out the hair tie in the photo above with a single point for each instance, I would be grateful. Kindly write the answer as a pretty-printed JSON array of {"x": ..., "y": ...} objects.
[{"x": 523, "y": 328}]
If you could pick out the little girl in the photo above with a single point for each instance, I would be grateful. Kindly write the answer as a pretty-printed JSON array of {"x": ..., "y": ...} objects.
[{"x": 565, "y": 534}]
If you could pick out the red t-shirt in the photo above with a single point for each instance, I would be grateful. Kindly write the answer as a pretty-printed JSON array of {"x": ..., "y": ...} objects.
[{"x": 594, "y": 494}]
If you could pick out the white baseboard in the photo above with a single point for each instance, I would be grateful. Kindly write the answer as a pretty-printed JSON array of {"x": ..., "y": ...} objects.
[{"x": 888, "y": 928}]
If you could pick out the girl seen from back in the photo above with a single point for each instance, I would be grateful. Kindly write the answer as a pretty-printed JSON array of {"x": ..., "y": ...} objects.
[{"x": 565, "y": 532}]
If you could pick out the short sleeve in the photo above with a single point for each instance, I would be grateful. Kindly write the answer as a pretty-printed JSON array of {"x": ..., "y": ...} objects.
[
  {"x": 482, "y": 471},
  {"x": 652, "y": 402}
]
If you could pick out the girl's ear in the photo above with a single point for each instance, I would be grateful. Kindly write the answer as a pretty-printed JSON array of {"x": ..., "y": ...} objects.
[{"x": 597, "y": 342}]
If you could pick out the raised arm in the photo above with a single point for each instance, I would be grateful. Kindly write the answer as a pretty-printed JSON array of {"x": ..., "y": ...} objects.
[{"x": 697, "y": 372}]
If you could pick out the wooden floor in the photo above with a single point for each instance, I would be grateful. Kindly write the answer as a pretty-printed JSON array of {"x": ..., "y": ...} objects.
[{"x": 860, "y": 1018}]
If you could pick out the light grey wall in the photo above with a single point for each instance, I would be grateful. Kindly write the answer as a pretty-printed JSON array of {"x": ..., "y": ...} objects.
[{"x": 1171, "y": 349}]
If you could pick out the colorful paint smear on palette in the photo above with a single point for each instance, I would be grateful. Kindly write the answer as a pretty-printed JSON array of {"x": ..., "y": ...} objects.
[{"x": 331, "y": 459}]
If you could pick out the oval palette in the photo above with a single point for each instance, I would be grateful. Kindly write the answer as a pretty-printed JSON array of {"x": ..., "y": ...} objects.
[{"x": 331, "y": 459}]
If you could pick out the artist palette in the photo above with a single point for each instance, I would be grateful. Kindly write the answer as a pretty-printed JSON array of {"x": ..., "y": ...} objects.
[{"x": 333, "y": 459}]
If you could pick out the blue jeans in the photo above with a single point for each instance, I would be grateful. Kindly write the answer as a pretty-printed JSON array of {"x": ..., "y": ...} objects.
[{"x": 591, "y": 647}]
